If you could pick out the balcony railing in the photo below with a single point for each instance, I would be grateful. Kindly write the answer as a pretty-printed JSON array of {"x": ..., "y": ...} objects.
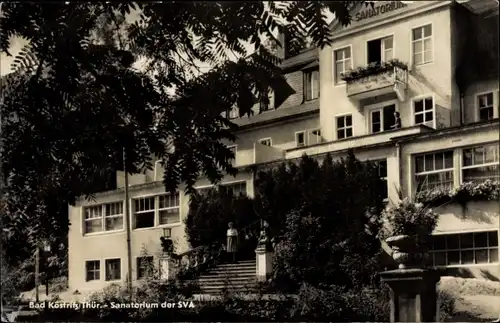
[{"x": 377, "y": 79}]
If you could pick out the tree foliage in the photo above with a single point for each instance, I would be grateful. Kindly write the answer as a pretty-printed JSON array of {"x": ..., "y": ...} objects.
[
  {"x": 75, "y": 100},
  {"x": 209, "y": 215},
  {"x": 327, "y": 218}
]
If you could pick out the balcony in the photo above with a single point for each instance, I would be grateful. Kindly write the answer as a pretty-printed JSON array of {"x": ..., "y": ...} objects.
[{"x": 377, "y": 79}]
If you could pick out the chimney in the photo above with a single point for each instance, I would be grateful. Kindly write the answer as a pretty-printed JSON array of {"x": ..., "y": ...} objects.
[{"x": 281, "y": 51}]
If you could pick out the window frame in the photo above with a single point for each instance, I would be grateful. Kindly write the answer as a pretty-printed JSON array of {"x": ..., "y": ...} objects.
[
  {"x": 384, "y": 178},
  {"x": 270, "y": 105},
  {"x": 260, "y": 141},
  {"x": 334, "y": 66},
  {"x": 422, "y": 40},
  {"x": 238, "y": 182},
  {"x": 494, "y": 163},
  {"x": 433, "y": 251},
  {"x": 380, "y": 108},
  {"x": 106, "y": 269},
  {"x": 297, "y": 133},
  {"x": 434, "y": 171},
  {"x": 232, "y": 113},
  {"x": 156, "y": 210},
  {"x": 102, "y": 218},
  {"x": 135, "y": 212},
  {"x": 235, "y": 183},
  {"x": 308, "y": 79},
  {"x": 93, "y": 270},
  {"x": 159, "y": 209},
  {"x": 495, "y": 105},
  {"x": 310, "y": 135},
  {"x": 345, "y": 127},
  {"x": 414, "y": 114},
  {"x": 382, "y": 47}
]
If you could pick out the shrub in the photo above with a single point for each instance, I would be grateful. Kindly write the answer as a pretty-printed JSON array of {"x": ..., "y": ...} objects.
[
  {"x": 330, "y": 213},
  {"x": 209, "y": 215},
  {"x": 446, "y": 306},
  {"x": 409, "y": 218}
]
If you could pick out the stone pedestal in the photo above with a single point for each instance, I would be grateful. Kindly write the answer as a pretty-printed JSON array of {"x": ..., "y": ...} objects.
[
  {"x": 264, "y": 260},
  {"x": 166, "y": 268},
  {"x": 413, "y": 294}
]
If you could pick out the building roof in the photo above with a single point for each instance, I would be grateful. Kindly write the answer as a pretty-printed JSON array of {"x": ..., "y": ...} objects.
[
  {"x": 451, "y": 130},
  {"x": 479, "y": 6},
  {"x": 305, "y": 57},
  {"x": 279, "y": 114}
]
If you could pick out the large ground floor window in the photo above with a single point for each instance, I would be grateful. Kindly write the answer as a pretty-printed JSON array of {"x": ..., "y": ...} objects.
[{"x": 464, "y": 248}]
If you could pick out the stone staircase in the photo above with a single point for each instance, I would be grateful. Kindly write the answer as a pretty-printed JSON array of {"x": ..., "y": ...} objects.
[{"x": 234, "y": 278}]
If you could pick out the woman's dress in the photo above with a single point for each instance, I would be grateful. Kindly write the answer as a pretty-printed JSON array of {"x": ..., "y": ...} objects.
[{"x": 232, "y": 240}]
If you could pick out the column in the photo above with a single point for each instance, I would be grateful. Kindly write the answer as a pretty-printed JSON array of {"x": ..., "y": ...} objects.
[
  {"x": 413, "y": 294},
  {"x": 264, "y": 263},
  {"x": 166, "y": 268}
]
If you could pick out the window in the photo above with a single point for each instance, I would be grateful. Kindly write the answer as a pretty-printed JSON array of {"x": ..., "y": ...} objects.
[
  {"x": 422, "y": 45},
  {"x": 382, "y": 173},
  {"x": 485, "y": 106},
  {"x": 265, "y": 101},
  {"x": 314, "y": 137},
  {"x": 238, "y": 189},
  {"x": 144, "y": 208},
  {"x": 424, "y": 111},
  {"x": 92, "y": 270},
  {"x": 311, "y": 85},
  {"x": 383, "y": 119},
  {"x": 380, "y": 50},
  {"x": 481, "y": 163},
  {"x": 113, "y": 269},
  {"x": 434, "y": 171},
  {"x": 145, "y": 267},
  {"x": 104, "y": 217},
  {"x": 168, "y": 209},
  {"x": 343, "y": 62},
  {"x": 114, "y": 216},
  {"x": 465, "y": 248},
  {"x": 300, "y": 139},
  {"x": 232, "y": 113},
  {"x": 233, "y": 150},
  {"x": 205, "y": 190},
  {"x": 344, "y": 126},
  {"x": 266, "y": 142},
  {"x": 93, "y": 219}
]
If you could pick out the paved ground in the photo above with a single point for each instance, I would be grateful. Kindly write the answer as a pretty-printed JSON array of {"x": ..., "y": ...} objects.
[{"x": 477, "y": 300}]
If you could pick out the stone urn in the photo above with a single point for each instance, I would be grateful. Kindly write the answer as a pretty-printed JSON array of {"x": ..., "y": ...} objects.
[{"x": 409, "y": 251}]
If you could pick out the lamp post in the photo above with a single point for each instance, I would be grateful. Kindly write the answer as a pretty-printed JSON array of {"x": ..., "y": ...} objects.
[{"x": 46, "y": 248}]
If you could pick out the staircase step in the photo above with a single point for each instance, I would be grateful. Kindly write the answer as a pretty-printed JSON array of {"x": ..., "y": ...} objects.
[
  {"x": 235, "y": 273},
  {"x": 221, "y": 278},
  {"x": 248, "y": 265},
  {"x": 223, "y": 282},
  {"x": 220, "y": 288},
  {"x": 242, "y": 263},
  {"x": 232, "y": 291},
  {"x": 230, "y": 286}
]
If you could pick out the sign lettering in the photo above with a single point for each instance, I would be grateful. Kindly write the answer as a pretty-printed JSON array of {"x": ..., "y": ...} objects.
[{"x": 380, "y": 9}]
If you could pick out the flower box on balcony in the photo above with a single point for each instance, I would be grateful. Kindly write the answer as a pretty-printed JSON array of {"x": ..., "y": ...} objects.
[{"x": 377, "y": 79}]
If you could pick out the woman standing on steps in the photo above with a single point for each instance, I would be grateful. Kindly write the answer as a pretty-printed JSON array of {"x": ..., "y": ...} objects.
[{"x": 232, "y": 241}]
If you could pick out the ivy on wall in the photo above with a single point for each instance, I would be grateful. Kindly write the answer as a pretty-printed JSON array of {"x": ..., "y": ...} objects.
[{"x": 488, "y": 190}]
